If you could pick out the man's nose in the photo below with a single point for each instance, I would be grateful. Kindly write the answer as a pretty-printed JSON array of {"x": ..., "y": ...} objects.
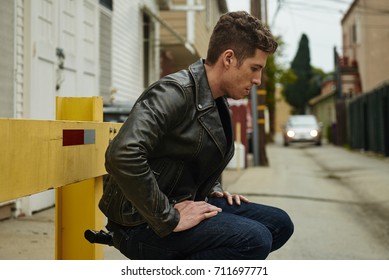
[{"x": 257, "y": 81}]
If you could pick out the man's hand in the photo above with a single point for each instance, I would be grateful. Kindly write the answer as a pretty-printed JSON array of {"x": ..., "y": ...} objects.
[
  {"x": 193, "y": 212},
  {"x": 230, "y": 197}
]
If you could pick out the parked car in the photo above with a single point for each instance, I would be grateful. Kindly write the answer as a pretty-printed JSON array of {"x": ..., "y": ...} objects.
[{"x": 302, "y": 128}]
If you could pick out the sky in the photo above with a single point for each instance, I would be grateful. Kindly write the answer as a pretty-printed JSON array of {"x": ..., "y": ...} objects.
[{"x": 320, "y": 20}]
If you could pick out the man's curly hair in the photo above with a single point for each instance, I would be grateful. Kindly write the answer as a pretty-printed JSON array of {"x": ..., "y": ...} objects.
[{"x": 241, "y": 32}]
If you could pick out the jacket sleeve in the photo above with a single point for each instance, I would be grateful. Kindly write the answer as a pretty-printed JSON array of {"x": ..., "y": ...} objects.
[
  {"x": 159, "y": 109},
  {"x": 217, "y": 187}
]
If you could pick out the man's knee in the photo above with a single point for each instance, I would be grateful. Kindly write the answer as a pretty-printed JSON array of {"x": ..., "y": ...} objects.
[
  {"x": 288, "y": 224},
  {"x": 283, "y": 231},
  {"x": 259, "y": 243}
]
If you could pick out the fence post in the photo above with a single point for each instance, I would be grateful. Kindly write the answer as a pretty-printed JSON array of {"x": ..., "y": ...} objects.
[{"x": 76, "y": 204}]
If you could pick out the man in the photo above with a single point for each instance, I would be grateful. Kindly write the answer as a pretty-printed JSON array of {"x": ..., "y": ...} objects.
[{"x": 162, "y": 197}]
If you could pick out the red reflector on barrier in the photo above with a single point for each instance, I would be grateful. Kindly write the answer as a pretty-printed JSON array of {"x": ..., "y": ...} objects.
[{"x": 73, "y": 137}]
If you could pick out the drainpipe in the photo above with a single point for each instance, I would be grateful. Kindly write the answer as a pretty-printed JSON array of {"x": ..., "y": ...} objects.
[
  {"x": 190, "y": 22},
  {"x": 157, "y": 52}
]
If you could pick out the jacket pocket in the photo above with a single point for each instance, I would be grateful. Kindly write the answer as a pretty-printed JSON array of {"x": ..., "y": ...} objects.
[
  {"x": 116, "y": 207},
  {"x": 167, "y": 173}
]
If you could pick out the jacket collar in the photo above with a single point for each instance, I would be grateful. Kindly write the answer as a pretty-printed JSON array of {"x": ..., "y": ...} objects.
[
  {"x": 204, "y": 97},
  {"x": 211, "y": 119}
]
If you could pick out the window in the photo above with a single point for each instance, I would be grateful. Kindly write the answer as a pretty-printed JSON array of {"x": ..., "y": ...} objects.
[
  {"x": 107, "y": 4},
  {"x": 354, "y": 33}
]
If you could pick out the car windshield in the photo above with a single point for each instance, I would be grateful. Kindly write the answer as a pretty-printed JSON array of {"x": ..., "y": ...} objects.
[{"x": 302, "y": 121}]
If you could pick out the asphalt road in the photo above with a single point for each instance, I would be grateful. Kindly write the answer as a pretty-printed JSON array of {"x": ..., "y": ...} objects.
[{"x": 338, "y": 200}]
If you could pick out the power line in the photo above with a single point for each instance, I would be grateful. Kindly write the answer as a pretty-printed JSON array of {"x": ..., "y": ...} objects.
[
  {"x": 364, "y": 8},
  {"x": 312, "y": 7},
  {"x": 279, "y": 4},
  {"x": 302, "y": 7},
  {"x": 297, "y": 6}
]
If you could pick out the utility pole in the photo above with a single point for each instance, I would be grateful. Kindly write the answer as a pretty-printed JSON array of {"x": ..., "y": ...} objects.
[{"x": 259, "y": 10}]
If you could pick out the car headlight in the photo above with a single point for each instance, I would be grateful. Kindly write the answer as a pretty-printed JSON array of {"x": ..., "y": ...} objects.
[
  {"x": 314, "y": 133},
  {"x": 290, "y": 133}
]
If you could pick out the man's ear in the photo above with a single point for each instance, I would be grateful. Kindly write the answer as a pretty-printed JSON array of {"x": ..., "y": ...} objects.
[{"x": 228, "y": 56}]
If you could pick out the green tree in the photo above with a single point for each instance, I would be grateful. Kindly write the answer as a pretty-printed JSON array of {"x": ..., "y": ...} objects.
[{"x": 306, "y": 85}]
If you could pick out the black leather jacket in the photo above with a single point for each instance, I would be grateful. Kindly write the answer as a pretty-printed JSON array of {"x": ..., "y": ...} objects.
[{"x": 174, "y": 146}]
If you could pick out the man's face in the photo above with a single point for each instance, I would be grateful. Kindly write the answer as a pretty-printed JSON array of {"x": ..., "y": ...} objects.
[{"x": 239, "y": 79}]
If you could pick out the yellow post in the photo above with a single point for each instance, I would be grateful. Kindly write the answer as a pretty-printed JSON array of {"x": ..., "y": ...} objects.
[{"x": 76, "y": 204}]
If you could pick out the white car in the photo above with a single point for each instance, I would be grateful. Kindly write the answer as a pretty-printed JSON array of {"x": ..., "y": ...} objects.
[{"x": 302, "y": 128}]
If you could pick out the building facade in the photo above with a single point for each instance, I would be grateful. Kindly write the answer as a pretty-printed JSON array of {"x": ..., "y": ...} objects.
[
  {"x": 365, "y": 36},
  {"x": 192, "y": 22},
  {"x": 81, "y": 48}
]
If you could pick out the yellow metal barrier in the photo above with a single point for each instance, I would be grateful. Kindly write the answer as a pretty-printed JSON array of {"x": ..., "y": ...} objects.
[{"x": 67, "y": 155}]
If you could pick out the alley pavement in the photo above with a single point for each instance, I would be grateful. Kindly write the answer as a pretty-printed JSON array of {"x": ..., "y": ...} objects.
[{"x": 367, "y": 176}]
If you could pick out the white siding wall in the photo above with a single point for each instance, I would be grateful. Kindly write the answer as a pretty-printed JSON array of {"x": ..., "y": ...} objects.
[
  {"x": 7, "y": 59},
  {"x": 105, "y": 42},
  {"x": 127, "y": 48},
  {"x": 19, "y": 59}
]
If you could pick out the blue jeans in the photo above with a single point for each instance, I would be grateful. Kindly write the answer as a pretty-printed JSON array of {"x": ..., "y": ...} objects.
[{"x": 249, "y": 231}]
